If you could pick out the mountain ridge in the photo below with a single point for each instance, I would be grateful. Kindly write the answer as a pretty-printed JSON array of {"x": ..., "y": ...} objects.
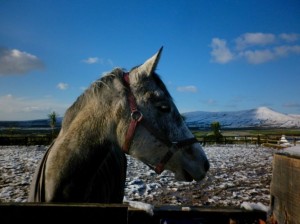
[
  {"x": 38, "y": 123},
  {"x": 261, "y": 117}
]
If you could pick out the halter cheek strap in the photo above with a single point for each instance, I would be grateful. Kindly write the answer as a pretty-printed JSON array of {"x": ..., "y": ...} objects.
[{"x": 136, "y": 118}]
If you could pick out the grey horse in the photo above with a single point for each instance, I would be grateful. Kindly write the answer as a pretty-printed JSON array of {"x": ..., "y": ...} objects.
[{"x": 120, "y": 113}]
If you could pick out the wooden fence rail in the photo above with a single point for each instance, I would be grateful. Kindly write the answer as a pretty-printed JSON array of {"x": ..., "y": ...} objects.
[
  {"x": 25, "y": 140},
  {"x": 204, "y": 140},
  {"x": 119, "y": 213},
  {"x": 249, "y": 139}
]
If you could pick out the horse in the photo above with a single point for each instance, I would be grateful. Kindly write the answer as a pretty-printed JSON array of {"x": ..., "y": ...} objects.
[{"x": 122, "y": 112}]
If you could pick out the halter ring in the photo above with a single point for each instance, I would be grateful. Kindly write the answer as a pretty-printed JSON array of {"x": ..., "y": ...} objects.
[{"x": 136, "y": 115}]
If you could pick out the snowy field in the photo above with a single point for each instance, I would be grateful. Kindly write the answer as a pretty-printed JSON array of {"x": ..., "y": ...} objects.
[{"x": 238, "y": 174}]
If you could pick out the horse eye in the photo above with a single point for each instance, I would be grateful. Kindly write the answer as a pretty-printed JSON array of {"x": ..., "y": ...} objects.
[{"x": 164, "y": 108}]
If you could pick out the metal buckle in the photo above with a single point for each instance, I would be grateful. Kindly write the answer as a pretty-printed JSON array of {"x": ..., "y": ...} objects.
[{"x": 136, "y": 115}]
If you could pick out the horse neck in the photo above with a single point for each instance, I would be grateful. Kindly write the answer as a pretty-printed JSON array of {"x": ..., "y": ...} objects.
[
  {"x": 95, "y": 164},
  {"x": 81, "y": 147},
  {"x": 95, "y": 111},
  {"x": 91, "y": 122}
]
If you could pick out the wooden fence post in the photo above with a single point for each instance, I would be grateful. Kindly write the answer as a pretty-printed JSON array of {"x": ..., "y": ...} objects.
[{"x": 285, "y": 185}]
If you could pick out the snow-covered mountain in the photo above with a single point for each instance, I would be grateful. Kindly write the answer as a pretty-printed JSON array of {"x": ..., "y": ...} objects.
[{"x": 261, "y": 117}]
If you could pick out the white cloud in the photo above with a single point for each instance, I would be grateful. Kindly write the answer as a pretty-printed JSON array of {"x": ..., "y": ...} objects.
[
  {"x": 262, "y": 56},
  {"x": 192, "y": 89},
  {"x": 286, "y": 50},
  {"x": 255, "y": 48},
  {"x": 96, "y": 60},
  {"x": 251, "y": 39},
  {"x": 62, "y": 86},
  {"x": 92, "y": 60},
  {"x": 220, "y": 52},
  {"x": 258, "y": 56},
  {"x": 289, "y": 37},
  {"x": 18, "y": 62},
  {"x": 22, "y": 108}
]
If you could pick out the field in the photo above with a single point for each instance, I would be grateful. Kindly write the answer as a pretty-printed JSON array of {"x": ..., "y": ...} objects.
[{"x": 239, "y": 174}]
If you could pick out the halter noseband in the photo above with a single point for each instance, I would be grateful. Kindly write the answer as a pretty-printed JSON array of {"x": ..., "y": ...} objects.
[{"x": 136, "y": 118}]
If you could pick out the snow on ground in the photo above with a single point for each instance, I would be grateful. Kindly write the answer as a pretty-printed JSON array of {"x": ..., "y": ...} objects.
[{"x": 238, "y": 174}]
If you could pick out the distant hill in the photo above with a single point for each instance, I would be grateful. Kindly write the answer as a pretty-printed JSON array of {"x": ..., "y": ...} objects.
[
  {"x": 261, "y": 117},
  {"x": 40, "y": 123}
]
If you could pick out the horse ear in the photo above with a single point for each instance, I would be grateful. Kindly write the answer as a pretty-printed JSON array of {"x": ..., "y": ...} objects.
[{"x": 149, "y": 66}]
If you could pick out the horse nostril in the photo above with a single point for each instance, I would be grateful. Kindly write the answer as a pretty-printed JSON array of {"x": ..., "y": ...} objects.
[{"x": 206, "y": 165}]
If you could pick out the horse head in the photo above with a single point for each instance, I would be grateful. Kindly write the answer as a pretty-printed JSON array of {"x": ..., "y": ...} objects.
[{"x": 154, "y": 131}]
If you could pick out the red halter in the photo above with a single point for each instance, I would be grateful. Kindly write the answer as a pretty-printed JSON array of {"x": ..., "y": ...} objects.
[{"x": 136, "y": 118}]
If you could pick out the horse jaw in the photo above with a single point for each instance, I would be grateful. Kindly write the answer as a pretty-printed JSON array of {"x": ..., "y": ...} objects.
[
  {"x": 185, "y": 166},
  {"x": 188, "y": 167},
  {"x": 146, "y": 69}
]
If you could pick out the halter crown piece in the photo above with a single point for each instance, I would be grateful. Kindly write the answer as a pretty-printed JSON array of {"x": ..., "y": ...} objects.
[{"x": 136, "y": 118}]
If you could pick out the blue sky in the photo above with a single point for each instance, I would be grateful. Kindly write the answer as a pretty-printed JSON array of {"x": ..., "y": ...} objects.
[{"x": 218, "y": 55}]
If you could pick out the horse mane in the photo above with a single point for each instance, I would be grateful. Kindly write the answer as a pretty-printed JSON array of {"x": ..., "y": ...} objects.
[
  {"x": 104, "y": 81},
  {"x": 94, "y": 88}
]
